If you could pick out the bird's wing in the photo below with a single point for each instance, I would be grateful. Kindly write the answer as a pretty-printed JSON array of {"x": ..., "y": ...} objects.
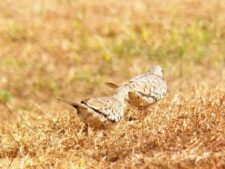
[
  {"x": 146, "y": 86},
  {"x": 108, "y": 107},
  {"x": 102, "y": 105}
]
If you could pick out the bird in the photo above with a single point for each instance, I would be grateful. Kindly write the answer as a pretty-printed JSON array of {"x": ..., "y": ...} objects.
[
  {"x": 99, "y": 112},
  {"x": 145, "y": 89}
]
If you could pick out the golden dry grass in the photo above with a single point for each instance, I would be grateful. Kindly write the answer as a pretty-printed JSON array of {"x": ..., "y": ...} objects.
[{"x": 70, "y": 48}]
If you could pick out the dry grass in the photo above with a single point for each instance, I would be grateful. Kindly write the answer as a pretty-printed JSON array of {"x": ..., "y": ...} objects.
[{"x": 70, "y": 48}]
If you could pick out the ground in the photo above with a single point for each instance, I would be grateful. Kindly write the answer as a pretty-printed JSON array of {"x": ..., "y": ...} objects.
[{"x": 70, "y": 48}]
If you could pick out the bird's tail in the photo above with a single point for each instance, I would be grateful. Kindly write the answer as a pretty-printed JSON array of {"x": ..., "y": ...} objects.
[
  {"x": 112, "y": 85},
  {"x": 74, "y": 104}
]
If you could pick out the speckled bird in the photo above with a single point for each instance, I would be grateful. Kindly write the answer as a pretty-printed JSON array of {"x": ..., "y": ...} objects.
[
  {"x": 99, "y": 112},
  {"x": 145, "y": 89}
]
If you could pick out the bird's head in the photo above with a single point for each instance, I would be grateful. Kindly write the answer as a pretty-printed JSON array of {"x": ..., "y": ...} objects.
[{"x": 156, "y": 70}]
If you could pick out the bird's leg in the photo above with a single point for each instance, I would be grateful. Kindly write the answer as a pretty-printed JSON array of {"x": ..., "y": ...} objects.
[{"x": 85, "y": 129}]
